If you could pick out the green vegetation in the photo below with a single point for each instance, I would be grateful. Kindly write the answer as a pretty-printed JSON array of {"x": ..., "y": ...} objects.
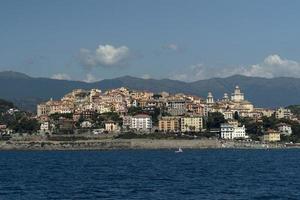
[
  {"x": 56, "y": 116},
  {"x": 255, "y": 129},
  {"x": 214, "y": 120},
  {"x": 5, "y": 105},
  {"x": 26, "y": 125},
  {"x": 295, "y": 109},
  {"x": 131, "y": 135},
  {"x": 134, "y": 110}
]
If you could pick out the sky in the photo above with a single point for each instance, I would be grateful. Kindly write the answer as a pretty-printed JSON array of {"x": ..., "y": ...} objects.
[{"x": 91, "y": 40}]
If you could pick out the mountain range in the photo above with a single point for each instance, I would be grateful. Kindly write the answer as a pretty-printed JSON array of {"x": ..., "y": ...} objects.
[{"x": 26, "y": 91}]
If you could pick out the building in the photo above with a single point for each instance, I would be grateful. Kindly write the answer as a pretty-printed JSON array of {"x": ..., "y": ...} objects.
[
  {"x": 210, "y": 98},
  {"x": 237, "y": 95},
  {"x": 176, "y": 107},
  {"x": 228, "y": 114},
  {"x": 281, "y": 113},
  {"x": 232, "y": 131},
  {"x": 141, "y": 122},
  {"x": 271, "y": 136},
  {"x": 127, "y": 122},
  {"x": 169, "y": 124},
  {"x": 191, "y": 124},
  {"x": 45, "y": 127},
  {"x": 111, "y": 126},
  {"x": 86, "y": 124},
  {"x": 285, "y": 129},
  {"x": 42, "y": 109}
]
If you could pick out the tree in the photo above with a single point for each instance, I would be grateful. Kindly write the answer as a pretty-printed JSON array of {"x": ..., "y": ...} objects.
[
  {"x": 253, "y": 128},
  {"x": 236, "y": 115},
  {"x": 134, "y": 110},
  {"x": 56, "y": 116},
  {"x": 269, "y": 122},
  {"x": 214, "y": 120},
  {"x": 26, "y": 125}
]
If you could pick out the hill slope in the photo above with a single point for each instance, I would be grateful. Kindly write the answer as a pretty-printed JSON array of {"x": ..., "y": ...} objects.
[{"x": 26, "y": 91}]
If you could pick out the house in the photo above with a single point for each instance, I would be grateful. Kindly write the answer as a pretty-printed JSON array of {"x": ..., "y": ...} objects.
[
  {"x": 3, "y": 126},
  {"x": 176, "y": 107},
  {"x": 45, "y": 127},
  {"x": 86, "y": 124},
  {"x": 169, "y": 124},
  {"x": 191, "y": 124},
  {"x": 232, "y": 131},
  {"x": 111, "y": 126},
  {"x": 283, "y": 113},
  {"x": 65, "y": 125},
  {"x": 141, "y": 122},
  {"x": 285, "y": 129},
  {"x": 271, "y": 136},
  {"x": 127, "y": 122}
]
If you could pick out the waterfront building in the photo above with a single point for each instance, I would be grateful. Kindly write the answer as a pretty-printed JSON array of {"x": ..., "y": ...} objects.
[
  {"x": 271, "y": 136},
  {"x": 141, "y": 122},
  {"x": 232, "y": 131},
  {"x": 127, "y": 122},
  {"x": 285, "y": 129},
  {"x": 86, "y": 124},
  {"x": 191, "y": 124},
  {"x": 46, "y": 127},
  {"x": 169, "y": 124},
  {"x": 111, "y": 126}
]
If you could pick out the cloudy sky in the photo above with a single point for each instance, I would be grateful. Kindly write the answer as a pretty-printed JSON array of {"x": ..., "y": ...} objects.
[{"x": 90, "y": 40}]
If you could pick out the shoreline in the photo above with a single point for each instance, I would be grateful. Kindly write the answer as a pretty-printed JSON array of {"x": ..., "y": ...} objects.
[{"x": 136, "y": 144}]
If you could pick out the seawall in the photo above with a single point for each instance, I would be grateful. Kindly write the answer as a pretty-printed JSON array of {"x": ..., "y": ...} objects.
[{"x": 106, "y": 144}]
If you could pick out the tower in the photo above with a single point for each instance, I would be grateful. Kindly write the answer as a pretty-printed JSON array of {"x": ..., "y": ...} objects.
[
  {"x": 225, "y": 98},
  {"x": 237, "y": 95},
  {"x": 210, "y": 98}
]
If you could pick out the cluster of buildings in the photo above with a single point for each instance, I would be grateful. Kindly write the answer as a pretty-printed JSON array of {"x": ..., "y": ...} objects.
[{"x": 178, "y": 112}]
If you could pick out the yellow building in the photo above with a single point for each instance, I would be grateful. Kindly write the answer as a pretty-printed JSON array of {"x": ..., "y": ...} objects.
[
  {"x": 191, "y": 124},
  {"x": 271, "y": 136},
  {"x": 169, "y": 124},
  {"x": 111, "y": 126}
]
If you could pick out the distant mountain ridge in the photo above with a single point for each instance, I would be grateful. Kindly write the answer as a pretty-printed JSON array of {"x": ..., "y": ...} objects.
[{"x": 26, "y": 91}]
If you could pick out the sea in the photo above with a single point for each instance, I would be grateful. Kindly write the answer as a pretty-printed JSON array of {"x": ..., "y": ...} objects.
[{"x": 151, "y": 174}]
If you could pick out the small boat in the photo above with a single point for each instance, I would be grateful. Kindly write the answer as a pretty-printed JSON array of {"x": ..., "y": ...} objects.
[{"x": 179, "y": 150}]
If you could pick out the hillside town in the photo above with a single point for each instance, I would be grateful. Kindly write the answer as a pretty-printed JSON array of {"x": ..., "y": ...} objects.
[{"x": 121, "y": 110}]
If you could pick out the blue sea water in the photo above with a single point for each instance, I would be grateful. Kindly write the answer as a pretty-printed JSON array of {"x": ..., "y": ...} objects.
[{"x": 150, "y": 174}]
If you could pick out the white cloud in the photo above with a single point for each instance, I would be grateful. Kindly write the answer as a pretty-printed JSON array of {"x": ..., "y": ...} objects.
[
  {"x": 61, "y": 76},
  {"x": 173, "y": 47},
  {"x": 90, "y": 78},
  {"x": 105, "y": 56},
  {"x": 146, "y": 76},
  {"x": 272, "y": 66}
]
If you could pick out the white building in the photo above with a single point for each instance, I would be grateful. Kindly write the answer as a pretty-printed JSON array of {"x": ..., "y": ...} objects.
[
  {"x": 285, "y": 129},
  {"x": 228, "y": 114},
  {"x": 210, "y": 98},
  {"x": 237, "y": 95},
  {"x": 45, "y": 126},
  {"x": 86, "y": 124},
  {"x": 230, "y": 131},
  {"x": 141, "y": 122},
  {"x": 283, "y": 113}
]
